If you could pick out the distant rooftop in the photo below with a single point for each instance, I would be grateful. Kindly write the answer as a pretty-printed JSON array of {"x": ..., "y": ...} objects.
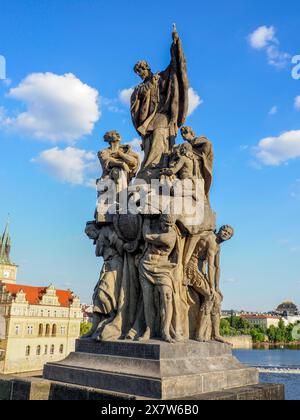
[
  {"x": 34, "y": 294},
  {"x": 259, "y": 316},
  {"x": 288, "y": 308}
]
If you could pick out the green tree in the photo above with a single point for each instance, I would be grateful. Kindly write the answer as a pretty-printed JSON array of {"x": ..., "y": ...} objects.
[
  {"x": 272, "y": 333},
  {"x": 85, "y": 328}
]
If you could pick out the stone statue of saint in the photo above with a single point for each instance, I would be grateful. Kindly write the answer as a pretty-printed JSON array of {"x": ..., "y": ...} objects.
[
  {"x": 156, "y": 270},
  {"x": 106, "y": 294},
  {"x": 203, "y": 151},
  {"x": 159, "y": 108},
  {"x": 182, "y": 163},
  {"x": 161, "y": 272},
  {"x": 203, "y": 273},
  {"x": 119, "y": 165},
  {"x": 117, "y": 158}
]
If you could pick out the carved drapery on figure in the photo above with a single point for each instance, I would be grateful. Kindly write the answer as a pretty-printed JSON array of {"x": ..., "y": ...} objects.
[
  {"x": 161, "y": 272},
  {"x": 159, "y": 107}
]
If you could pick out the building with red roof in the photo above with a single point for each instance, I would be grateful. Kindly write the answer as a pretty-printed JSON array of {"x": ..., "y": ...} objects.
[{"x": 37, "y": 324}]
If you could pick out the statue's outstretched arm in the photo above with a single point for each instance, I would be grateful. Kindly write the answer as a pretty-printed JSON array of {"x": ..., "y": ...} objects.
[{"x": 173, "y": 64}]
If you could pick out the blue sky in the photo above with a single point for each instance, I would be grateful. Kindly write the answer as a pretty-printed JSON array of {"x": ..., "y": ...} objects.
[{"x": 69, "y": 65}]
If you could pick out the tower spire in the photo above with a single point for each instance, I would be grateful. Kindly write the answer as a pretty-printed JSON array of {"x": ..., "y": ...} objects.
[{"x": 5, "y": 244}]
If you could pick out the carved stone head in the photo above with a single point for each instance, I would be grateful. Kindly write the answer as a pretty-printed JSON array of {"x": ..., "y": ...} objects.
[
  {"x": 188, "y": 133},
  {"x": 166, "y": 222},
  {"x": 186, "y": 149},
  {"x": 92, "y": 231},
  {"x": 143, "y": 69},
  {"x": 225, "y": 233},
  {"x": 112, "y": 137}
]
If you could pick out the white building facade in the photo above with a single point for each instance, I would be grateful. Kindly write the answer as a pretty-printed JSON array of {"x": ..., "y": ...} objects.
[{"x": 37, "y": 325}]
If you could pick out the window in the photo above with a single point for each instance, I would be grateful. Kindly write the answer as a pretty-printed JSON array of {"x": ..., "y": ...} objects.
[
  {"x": 55, "y": 314},
  {"x": 17, "y": 329},
  {"x": 38, "y": 350},
  {"x": 47, "y": 330},
  {"x": 46, "y": 350},
  {"x": 54, "y": 330},
  {"x": 30, "y": 330},
  {"x": 63, "y": 330},
  {"x": 27, "y": 351},
  {"x": 61, "y": 349},
  {"x": 41, "y": 330},
  {"x": 52, "y": 349},
  {"x": 42, "y": 312}
]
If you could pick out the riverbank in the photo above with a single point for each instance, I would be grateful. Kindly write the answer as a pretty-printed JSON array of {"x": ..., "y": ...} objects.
[
  {"x": 288, "y": 371},
  {"x": 295, "y": 345}
]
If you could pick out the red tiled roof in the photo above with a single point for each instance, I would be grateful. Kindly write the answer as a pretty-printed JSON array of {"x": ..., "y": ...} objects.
[
  {"x": 256, "y": 316},
  {"x": 35, "y": 294}
]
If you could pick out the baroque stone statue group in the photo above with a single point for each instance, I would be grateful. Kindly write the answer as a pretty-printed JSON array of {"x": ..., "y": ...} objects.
[{"x": 160, "y": 277}]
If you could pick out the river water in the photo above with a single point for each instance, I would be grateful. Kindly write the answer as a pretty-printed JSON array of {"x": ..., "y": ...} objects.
[{"x": 274, "y": 359}]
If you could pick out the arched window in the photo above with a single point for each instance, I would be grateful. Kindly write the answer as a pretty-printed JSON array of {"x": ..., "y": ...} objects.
[
  {"x": 54, "y": 330},
  {"x": 61, "y": 349},
  {"x": 52, "y": 349},
  {"x": 41, "y": 330},
  {"x": 27, "y": 351},
  {"x": 47, "y": 330},
  {"x": 46, "y": 350},
  {"x": 38, "y": 350}
]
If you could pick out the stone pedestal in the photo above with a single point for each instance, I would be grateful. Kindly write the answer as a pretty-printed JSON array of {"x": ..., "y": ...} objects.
[{"x": 154, "y": 369}]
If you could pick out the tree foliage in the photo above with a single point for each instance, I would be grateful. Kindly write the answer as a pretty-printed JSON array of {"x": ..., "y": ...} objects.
[
  {"x": 235, "y": 326},
  {"x": 85, "y": 328}
]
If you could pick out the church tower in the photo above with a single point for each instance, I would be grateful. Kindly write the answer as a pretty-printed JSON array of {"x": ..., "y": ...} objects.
[{"x": 8, "y": 270}]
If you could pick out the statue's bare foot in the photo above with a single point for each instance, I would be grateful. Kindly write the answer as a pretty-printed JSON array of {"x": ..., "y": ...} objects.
[
  {"x": 131, "y": 335},
  {"x": 168, "y": 339},
  {"x": 200, "y": 340},
  {"x": 220, "y": 339},
  {"x": 146, "y": 336},
  {"x": 179, "y": 339}
]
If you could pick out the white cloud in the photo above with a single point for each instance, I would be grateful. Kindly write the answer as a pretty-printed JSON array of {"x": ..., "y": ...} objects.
[
  {"x": 297, "y": 103},
  {"x": 295, "y": 249},
  {"x": 273, "y": 110},
  {"x": 244, "y": 147},
  {"x": 70, "y": 165},
  {"x": 264, "y": 38},
  {"x": 125, "y": 95},
  {"x": 58, "y": 108},
  {"x": 136, "y": 146},
  {"x": 277, "y": 58},
  {"x": 278, "y": 150},
  {"x": 231, "y": 280},
  {"x": 194, "y": 101}
]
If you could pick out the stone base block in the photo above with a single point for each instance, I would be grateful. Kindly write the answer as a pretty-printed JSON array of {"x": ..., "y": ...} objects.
[
  {"x": 37, "y": 389},
  {"x": 154, "y": 369}
]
